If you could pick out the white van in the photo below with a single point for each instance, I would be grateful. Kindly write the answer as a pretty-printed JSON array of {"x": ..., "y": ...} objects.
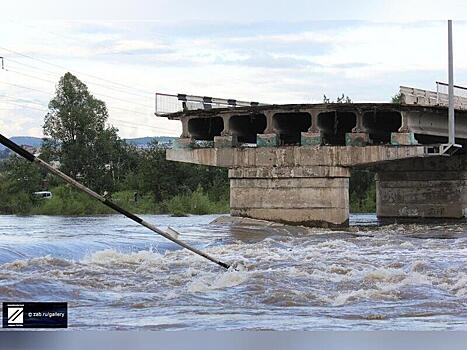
[{"x": 42, "y": 195}]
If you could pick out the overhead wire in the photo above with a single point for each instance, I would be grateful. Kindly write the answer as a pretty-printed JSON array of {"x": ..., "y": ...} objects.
[
  {"x": 83, "y": 73},
  {"x": 50, "y": 73},
  {"x": 128, "y": 124},
  {"x": 95, "y": 93}
]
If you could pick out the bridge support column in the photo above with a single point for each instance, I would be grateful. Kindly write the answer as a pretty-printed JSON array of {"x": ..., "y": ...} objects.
[
  {"x": 403, "y": 136},
  {"x": 359, "y": 135},
  {"x": 225, "y": 141},
  {"x": 312, "y": 137},
  {"x": 269, "y": 138},
  {"x": 434, "y": 187},
  {"x": 186, "y": 142},
  {"x": 311, "y": 196}
]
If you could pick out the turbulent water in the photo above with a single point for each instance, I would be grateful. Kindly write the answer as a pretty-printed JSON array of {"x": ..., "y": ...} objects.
[{"x": 116, "y": 275}]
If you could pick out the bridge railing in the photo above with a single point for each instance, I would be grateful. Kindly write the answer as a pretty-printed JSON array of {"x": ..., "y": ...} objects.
[
  {"x": 435, "y": 98},
  {"x": 170, "y": 103}
]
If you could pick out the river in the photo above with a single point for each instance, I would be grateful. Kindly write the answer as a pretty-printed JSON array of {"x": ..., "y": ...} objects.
[{"x": 117, "y": 275}]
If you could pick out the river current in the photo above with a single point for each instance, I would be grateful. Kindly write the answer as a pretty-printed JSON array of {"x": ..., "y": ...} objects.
[{"x": 117, "y": 275}]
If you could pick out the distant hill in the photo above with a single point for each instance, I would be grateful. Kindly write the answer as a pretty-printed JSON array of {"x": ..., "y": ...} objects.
[
  {"x": 24, "y": 140},
  {"x": 27, "y": 140},
  {"x": 139, "y": 142},
  {"x": 142, "y": 142}
]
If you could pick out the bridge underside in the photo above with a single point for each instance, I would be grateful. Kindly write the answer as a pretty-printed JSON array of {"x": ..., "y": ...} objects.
[
  {"x": 352, "y": 124},
  {"x": 292, "y": 163}
]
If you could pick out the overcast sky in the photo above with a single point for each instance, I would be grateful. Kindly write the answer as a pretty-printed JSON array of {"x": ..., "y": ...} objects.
[{"x": 267, "y": 51}]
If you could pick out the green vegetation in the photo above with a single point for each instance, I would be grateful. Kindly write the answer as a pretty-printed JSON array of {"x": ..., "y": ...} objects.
[
  {"x": 340, "y": 99},
  {"x": 68, "y": 201},
  {"x": 80, "y": 143},
  {"x": 140, "y": 180},
  {"x": 362, "y": 192},
  {"x": 196, "y": 202},
  {"x": 153, "y": 186},
  {"x": 397, "y": 98}
]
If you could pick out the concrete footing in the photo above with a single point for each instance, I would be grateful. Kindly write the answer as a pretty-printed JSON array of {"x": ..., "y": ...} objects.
[
  {"x": 267, "y": 140},
  {"x": 225, "y": 141},
  {"x": 182, "y": 143},
  {"x": 357, "y": 138},
  {"x": 311, "y": 139},
  {"x": 425, "y": 188},
  {"x": 316, "y": 196},
  {"x": 403, "y": 139}
]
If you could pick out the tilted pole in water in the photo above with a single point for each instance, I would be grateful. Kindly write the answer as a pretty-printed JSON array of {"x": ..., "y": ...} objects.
[{"x": 33, "y": 159}]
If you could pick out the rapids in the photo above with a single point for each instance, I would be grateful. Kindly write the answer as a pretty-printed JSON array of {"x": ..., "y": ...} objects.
[{"x": 117, "y": 275}]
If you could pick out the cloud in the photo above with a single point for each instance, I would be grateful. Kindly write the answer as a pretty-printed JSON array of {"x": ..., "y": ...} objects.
[{"x": 267, "y": 61}]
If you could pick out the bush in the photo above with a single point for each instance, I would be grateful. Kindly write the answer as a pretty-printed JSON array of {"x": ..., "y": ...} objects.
[
  {"x": 197, "y": 203},
  {"x": 67, "y": 201}
]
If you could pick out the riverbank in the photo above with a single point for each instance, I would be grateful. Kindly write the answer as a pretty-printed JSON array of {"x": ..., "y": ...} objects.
[{"x": 69, "y": 202}]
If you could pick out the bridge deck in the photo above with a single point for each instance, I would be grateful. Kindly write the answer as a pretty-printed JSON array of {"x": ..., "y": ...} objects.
[{"x": 325, "y": 124}]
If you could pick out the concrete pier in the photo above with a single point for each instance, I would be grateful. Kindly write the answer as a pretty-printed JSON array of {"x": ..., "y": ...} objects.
[
  {"x": 312, "y": 196},
  {"x": 292, "y": 163},
  {"x": 422, "y": 188}
]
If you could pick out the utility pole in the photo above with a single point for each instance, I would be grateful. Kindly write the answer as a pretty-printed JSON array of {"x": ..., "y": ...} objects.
[
  {"x": 451, "y": 123},
  {"x": 3, "y": 65}
]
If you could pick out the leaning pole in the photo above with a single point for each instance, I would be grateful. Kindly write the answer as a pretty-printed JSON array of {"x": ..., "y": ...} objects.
[{"x": 47, "y": 167}]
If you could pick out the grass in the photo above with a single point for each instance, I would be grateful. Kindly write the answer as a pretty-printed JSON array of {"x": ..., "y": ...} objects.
[
  {"x": 197, "y": 203},
  {"x": 70, "y": 202}
]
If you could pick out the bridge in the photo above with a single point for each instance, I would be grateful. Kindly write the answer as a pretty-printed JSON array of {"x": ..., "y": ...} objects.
[{"x": 292, "y": 163}]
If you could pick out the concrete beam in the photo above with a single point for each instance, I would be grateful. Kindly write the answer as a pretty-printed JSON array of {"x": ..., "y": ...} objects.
[{"x": 345, "y": 156}]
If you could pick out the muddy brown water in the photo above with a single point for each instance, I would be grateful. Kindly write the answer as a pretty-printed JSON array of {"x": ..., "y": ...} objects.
[{"x": 115, "y": 275}]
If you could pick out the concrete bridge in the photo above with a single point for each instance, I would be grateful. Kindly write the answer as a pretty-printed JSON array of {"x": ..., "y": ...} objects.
[{"x": 292, "y": 163}]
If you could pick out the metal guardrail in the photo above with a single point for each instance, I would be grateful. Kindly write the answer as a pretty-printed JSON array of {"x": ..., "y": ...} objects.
[
  {"x": 442, "y": 88},
  {"x": 435, "y": 98},
  {"x": 169, "y": 103}
]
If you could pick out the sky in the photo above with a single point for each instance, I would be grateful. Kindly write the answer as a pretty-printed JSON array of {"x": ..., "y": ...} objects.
[{"x": 266, "y": 51}]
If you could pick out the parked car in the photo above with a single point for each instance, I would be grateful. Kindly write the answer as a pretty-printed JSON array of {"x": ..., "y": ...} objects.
[{"x": 42, "y": 195}]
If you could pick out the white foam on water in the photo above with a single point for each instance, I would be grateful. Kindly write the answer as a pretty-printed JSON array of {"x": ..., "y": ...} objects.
[
  {"x": 209, "y": 282},
  {"x": 111, "y": 257},
  {"x": 278, "y": 280},
  {"x": 460, "y": 287}
]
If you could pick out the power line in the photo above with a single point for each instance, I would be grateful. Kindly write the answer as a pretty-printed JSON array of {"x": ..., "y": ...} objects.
[
  {"x": 23, "y": 106},
  {"x": 26, "y": 87},
  {"x": 60, "y": 66},
  {"x": 110, "y": 107},
  {"x": 45, "y": 110},
  {"x": 145, "y": 125},
  {"x": 54, "y": 74},
  {"x": 30, "y": 76},
  {"x": 18, "y": 100},
  {"x": 33, "y": 67},
  {"x": 129, "y": 125},
  {"x": 95, "y": 93}
]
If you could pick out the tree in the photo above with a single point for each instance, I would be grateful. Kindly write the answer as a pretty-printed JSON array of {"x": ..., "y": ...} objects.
[
  {"x": 344, "y": 99},
  {"x": 78, "y": 136},
  {"x": 341, "y": 99},
  {"x": 19, "y": 179},
  {"x": 397, "y": 98}
]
